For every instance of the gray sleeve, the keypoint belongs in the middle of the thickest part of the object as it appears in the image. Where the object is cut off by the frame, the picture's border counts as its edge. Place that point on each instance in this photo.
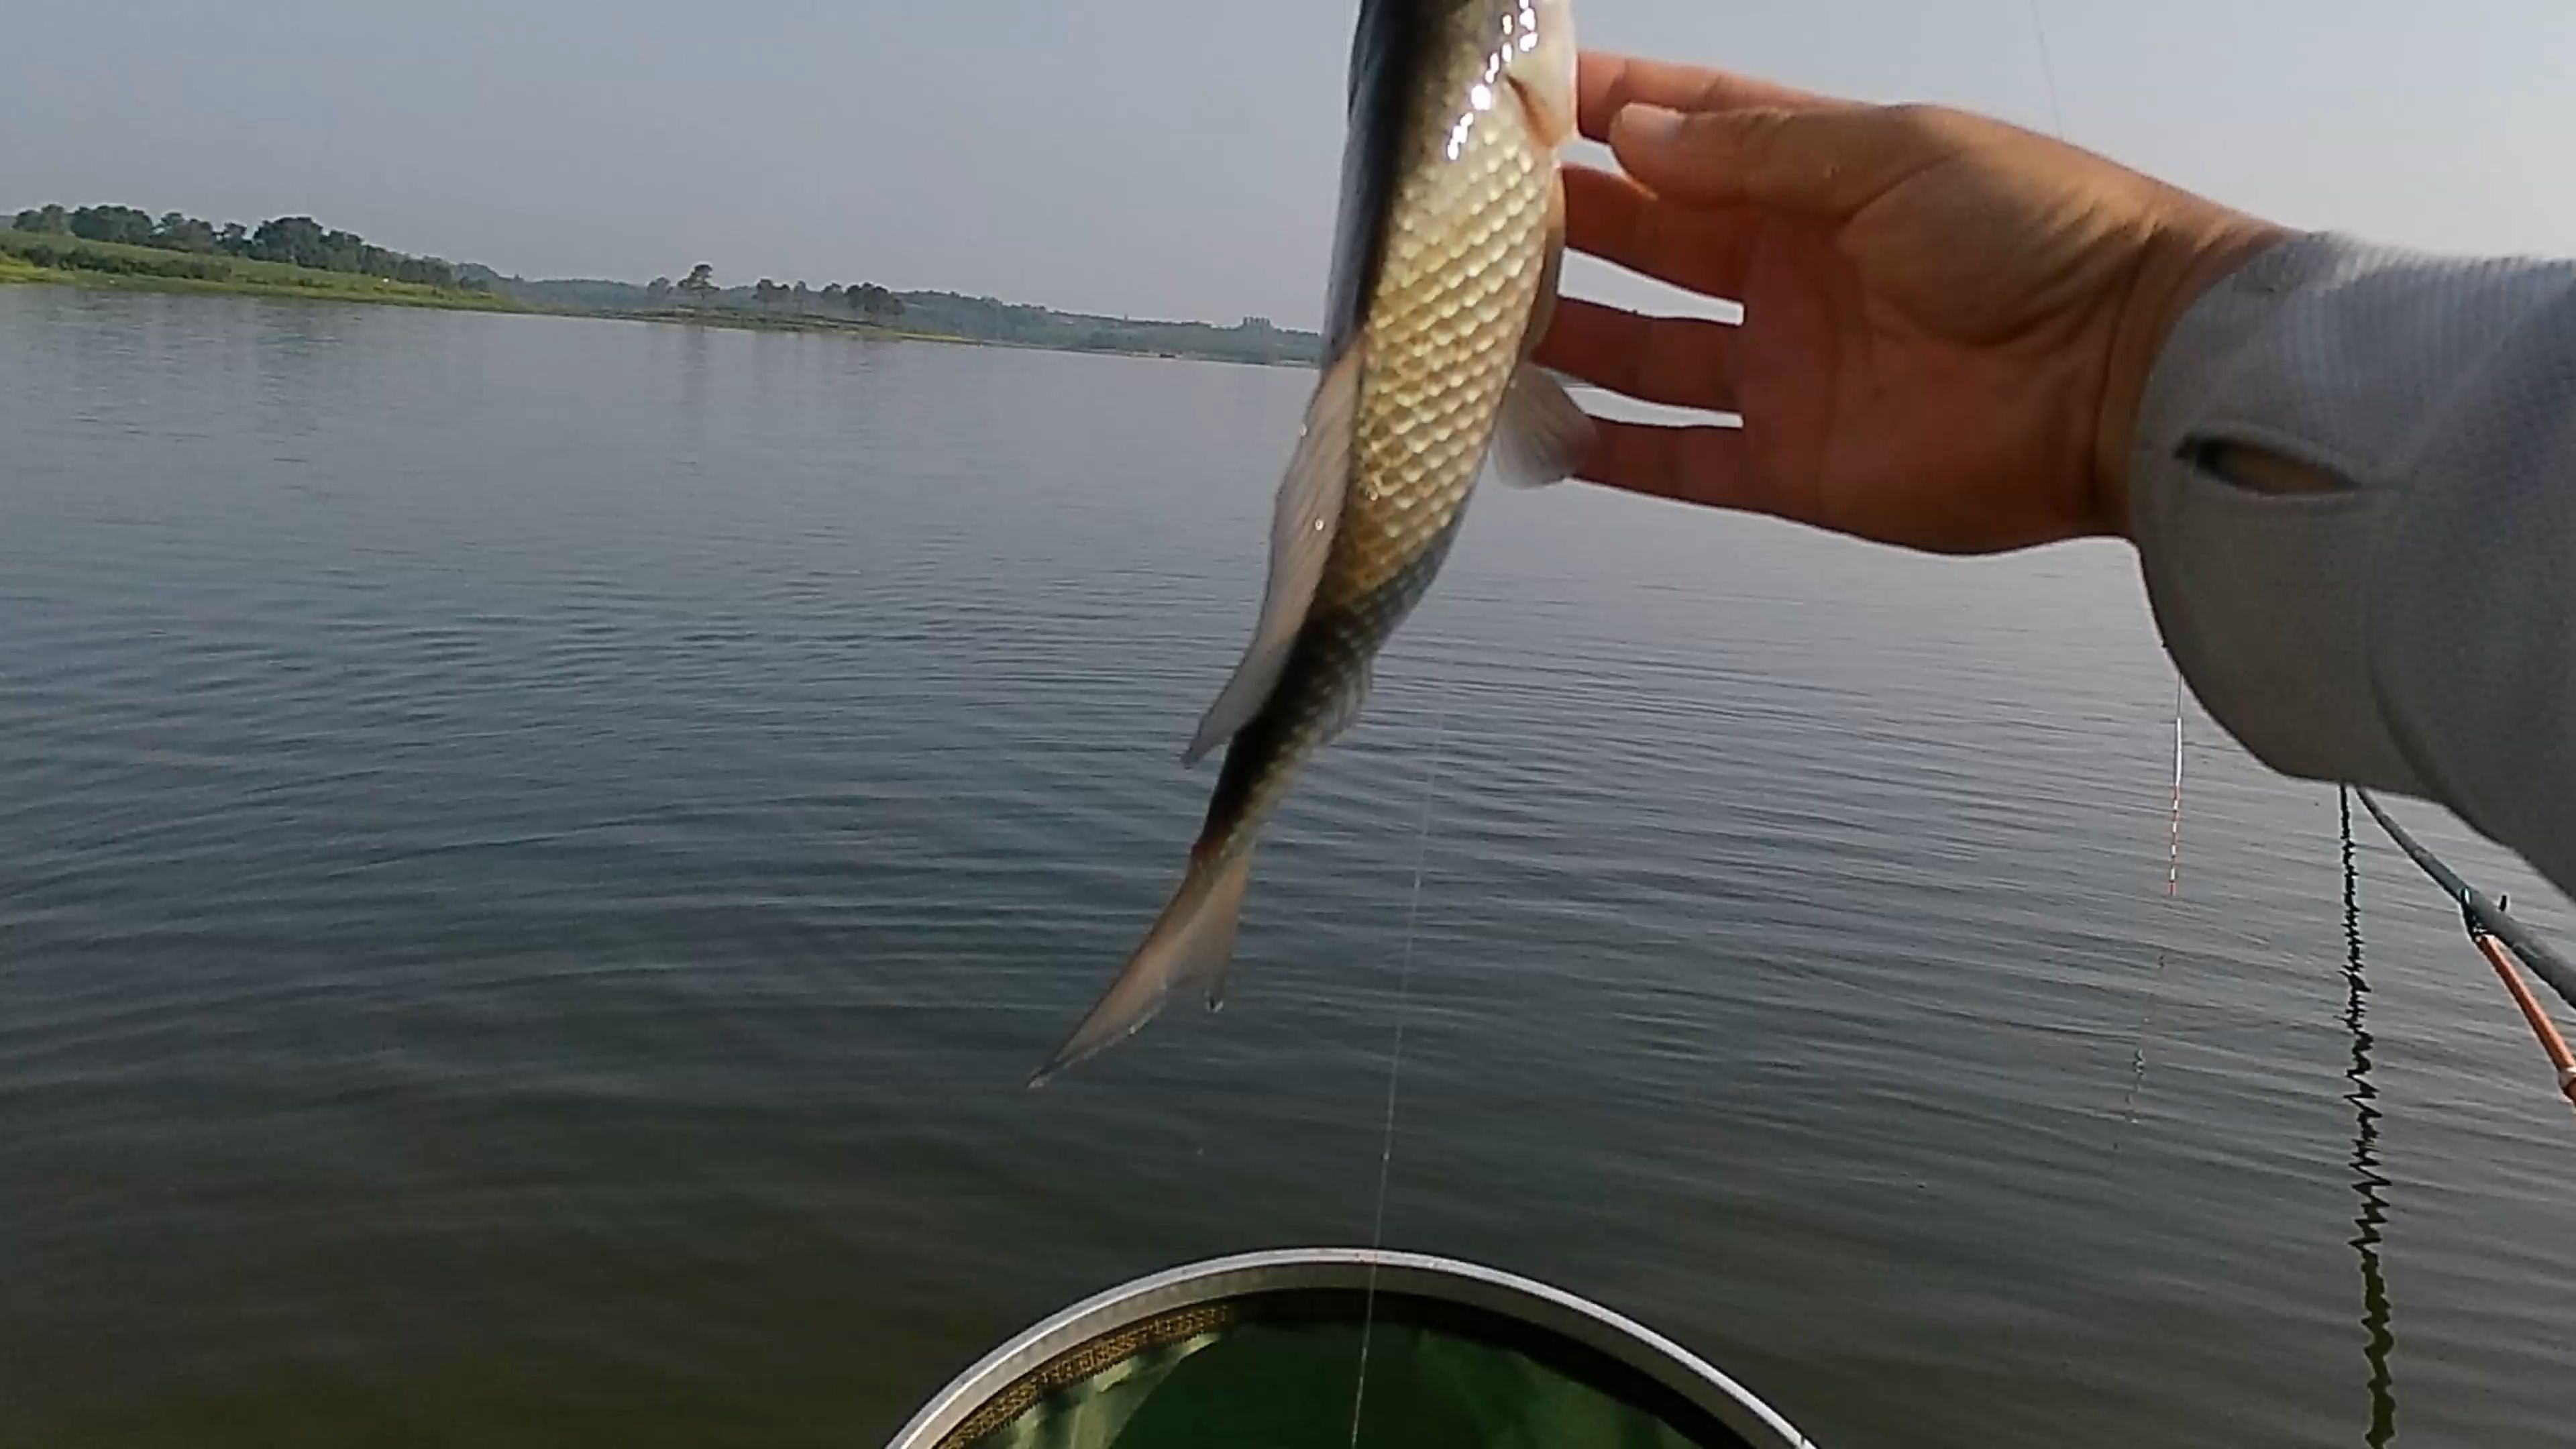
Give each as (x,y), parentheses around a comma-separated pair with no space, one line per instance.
(2415,631)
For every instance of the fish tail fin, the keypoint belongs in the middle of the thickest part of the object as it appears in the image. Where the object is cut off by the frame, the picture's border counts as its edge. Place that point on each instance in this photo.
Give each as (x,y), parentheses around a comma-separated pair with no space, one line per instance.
(1192,941)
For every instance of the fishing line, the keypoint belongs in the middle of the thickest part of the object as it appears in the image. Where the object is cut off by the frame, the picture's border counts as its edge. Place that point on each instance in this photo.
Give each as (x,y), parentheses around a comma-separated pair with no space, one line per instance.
(2156,982)
(1395,1061)
(2048,68)
(2138,1056)
(2173,858)
(2173,887)
(2173,834)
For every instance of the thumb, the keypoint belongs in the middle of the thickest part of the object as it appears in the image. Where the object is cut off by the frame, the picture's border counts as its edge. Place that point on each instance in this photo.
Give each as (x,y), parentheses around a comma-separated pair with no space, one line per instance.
(1816,161)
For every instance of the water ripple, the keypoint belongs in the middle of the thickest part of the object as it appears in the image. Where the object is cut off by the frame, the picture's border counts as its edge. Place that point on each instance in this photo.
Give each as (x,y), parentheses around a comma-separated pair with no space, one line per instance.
(535,856)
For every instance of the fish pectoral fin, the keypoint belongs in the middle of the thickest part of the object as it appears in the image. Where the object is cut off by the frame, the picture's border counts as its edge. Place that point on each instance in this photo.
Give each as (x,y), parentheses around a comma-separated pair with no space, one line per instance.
(1542,435)
(1543,74)
(1193,940)
(1303,523)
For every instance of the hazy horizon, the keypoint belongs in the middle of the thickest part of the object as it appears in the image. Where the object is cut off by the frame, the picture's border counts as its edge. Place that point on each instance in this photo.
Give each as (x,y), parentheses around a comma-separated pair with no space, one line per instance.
(1156,157)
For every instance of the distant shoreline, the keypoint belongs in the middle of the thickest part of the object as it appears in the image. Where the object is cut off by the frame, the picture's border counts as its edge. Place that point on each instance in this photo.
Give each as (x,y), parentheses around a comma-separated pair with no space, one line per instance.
(44,258)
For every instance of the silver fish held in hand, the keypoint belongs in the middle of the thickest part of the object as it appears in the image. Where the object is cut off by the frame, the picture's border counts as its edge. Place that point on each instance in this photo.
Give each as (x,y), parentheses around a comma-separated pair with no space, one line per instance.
(1445,263)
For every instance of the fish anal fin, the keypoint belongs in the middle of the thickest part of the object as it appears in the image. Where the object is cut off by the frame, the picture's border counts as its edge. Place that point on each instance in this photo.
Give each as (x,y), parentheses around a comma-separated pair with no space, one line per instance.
(1303,524)
(1542,436)
(1192,941)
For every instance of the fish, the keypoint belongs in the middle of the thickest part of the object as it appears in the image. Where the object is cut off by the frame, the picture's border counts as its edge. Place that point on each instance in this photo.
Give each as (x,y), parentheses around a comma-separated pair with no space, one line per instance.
(1447,249)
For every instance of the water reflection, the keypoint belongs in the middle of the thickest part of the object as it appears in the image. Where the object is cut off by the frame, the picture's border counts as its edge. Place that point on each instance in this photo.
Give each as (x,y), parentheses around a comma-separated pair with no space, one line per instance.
(2368,1182)
(692,411)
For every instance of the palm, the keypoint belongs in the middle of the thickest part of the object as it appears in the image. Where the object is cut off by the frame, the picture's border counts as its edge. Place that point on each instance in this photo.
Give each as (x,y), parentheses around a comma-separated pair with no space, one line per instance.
(1938,311)
(1889,393)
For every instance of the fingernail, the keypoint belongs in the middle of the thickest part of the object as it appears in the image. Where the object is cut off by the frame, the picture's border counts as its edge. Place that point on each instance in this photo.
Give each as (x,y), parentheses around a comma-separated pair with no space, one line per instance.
(1653,125)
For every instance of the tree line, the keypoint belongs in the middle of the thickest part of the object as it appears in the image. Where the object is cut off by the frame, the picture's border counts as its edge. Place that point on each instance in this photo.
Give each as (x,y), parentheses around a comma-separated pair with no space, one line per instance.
(297,240)
(185,246)
(863,299)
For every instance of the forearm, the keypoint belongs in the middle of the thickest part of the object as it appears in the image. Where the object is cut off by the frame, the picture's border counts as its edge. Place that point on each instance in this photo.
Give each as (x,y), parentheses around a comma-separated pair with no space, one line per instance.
(2414,626)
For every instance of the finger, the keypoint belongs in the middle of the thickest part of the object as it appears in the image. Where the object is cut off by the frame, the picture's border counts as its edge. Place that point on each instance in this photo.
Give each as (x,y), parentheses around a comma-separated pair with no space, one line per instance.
(1813,162)
(1705,249)
(1702,465)
(1604,83)
(1681,362)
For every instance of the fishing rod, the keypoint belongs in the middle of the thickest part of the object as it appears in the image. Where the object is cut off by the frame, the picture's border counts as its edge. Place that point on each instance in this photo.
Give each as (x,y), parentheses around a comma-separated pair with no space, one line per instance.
(2492,931)
(2541,1026)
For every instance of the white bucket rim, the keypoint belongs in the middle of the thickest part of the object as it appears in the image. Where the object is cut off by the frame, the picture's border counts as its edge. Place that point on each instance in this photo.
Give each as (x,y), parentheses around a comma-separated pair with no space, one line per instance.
(1451,1280)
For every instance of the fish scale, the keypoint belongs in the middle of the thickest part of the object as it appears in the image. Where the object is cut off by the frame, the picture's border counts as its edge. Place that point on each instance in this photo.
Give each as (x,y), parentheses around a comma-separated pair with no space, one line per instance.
(1443,334)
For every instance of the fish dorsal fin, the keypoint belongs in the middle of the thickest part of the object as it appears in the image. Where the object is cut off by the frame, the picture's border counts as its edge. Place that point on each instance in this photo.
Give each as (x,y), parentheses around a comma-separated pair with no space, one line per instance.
(1541,436)
(1302,527)
(1387,50)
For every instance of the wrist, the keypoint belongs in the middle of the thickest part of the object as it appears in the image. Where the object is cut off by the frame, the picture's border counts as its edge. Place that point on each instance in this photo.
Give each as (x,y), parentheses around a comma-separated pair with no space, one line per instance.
(2183,256)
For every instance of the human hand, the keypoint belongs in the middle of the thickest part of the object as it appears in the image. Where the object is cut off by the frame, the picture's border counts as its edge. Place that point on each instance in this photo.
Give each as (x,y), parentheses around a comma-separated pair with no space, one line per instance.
(1948,321)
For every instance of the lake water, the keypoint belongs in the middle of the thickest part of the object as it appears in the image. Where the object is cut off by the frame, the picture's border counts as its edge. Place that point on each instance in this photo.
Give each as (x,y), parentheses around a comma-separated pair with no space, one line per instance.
(536,856)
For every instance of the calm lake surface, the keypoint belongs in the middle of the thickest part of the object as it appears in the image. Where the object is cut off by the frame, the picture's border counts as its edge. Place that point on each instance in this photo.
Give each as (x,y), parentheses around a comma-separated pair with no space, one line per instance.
(536,855)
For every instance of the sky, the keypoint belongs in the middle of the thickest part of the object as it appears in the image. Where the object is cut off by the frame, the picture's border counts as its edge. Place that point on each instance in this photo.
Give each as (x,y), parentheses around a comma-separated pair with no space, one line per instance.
(1169,158)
